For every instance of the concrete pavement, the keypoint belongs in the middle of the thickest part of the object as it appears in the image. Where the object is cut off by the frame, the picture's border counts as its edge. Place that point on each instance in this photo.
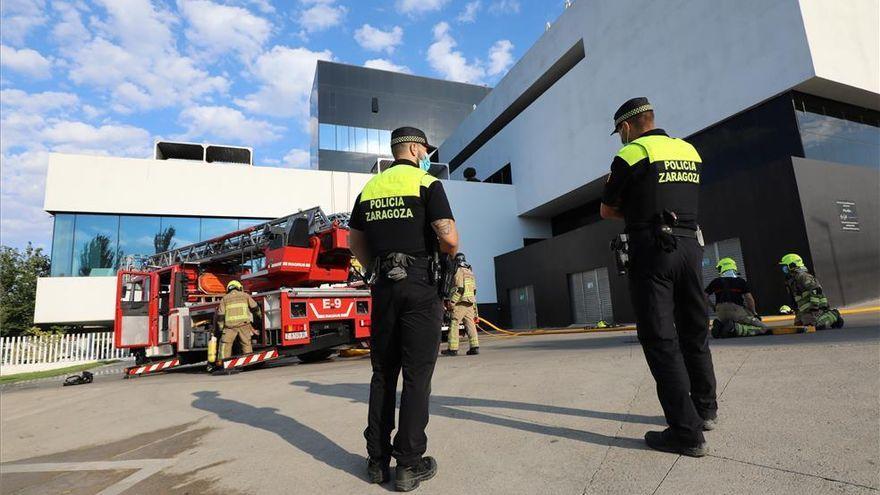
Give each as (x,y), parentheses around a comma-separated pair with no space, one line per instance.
(548,414)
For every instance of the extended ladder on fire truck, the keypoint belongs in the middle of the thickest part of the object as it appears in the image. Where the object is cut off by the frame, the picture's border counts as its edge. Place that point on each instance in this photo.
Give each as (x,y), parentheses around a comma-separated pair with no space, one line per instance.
(165,310)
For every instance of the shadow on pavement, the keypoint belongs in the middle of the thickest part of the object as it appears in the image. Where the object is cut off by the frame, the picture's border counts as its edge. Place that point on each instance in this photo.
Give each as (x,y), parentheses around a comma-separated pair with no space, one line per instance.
(290,430)
(446,406)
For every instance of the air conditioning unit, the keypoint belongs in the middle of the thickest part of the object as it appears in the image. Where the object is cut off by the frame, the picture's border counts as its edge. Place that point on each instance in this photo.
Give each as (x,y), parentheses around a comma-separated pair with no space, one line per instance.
(206,153)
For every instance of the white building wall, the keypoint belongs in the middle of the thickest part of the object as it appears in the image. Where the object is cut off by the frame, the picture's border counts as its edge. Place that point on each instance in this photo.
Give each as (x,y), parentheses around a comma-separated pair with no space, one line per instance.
(485,213)
(75,300)
(699,63)
(100,184)
(844,39)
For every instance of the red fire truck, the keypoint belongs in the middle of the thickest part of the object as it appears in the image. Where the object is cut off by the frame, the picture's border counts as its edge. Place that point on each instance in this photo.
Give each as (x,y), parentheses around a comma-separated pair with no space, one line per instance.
(296,267)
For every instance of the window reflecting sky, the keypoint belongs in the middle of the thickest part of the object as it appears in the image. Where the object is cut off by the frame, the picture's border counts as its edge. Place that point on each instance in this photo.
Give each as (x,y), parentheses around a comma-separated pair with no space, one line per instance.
(82,242)
(358,139)
(837,132)
(62,244)
(95,241)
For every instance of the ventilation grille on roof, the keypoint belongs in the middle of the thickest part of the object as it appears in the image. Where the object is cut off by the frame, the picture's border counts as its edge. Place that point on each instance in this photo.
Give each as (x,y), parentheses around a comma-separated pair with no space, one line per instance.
(208,153)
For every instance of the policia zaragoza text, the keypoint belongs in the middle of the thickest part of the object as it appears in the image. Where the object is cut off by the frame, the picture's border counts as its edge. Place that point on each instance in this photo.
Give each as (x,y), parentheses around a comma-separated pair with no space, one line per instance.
(679,171)
(387,208)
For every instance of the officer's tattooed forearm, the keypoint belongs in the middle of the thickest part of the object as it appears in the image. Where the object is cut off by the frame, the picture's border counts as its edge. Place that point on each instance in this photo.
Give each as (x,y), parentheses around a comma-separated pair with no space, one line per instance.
(442,227)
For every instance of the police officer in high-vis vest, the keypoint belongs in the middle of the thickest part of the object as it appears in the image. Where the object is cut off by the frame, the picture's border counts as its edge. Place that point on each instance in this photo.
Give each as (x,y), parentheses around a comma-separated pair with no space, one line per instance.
(463,308)
(398,222)
(234,317)
(654,187)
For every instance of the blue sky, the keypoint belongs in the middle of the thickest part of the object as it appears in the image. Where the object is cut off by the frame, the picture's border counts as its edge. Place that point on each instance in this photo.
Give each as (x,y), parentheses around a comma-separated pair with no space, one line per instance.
(111,76)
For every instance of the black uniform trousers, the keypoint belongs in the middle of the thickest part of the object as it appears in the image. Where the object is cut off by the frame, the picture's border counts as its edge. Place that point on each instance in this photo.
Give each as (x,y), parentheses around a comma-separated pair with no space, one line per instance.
(667,294)
(405,334)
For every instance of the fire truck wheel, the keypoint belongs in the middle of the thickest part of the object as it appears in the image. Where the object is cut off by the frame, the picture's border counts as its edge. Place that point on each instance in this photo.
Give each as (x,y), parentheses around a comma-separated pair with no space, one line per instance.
(315,356)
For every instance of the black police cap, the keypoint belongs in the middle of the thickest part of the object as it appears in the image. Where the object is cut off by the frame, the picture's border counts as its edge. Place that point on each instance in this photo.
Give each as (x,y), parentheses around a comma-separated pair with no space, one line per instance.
(410,135)
(631,108)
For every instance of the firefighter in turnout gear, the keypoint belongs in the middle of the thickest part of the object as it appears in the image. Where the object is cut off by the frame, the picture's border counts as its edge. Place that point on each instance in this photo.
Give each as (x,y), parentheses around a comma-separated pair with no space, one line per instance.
(234,318)
(811,305)
(734,305)
(400,222)
(654,187)
(463,306)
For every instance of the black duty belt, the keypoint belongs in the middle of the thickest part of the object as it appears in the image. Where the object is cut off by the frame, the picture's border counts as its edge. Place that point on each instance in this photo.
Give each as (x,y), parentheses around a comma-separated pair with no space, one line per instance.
(396,266)
(650,227)
(684,232)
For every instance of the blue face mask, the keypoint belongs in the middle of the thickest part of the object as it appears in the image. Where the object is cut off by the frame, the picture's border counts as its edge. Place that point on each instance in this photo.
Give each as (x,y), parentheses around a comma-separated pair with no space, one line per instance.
(729,273)
(425,163)
(785,269)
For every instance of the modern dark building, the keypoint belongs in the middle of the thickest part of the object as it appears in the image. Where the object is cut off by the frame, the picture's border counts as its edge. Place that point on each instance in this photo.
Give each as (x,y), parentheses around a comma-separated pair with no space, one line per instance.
(797,173)
(354,109)
(780,98)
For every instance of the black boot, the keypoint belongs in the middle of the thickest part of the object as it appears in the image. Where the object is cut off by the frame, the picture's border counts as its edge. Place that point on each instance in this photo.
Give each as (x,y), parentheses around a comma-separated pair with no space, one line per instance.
(449,352)
(710,424)
(378,471)
(473,351)
(667,441)
(839,322)
(408,478)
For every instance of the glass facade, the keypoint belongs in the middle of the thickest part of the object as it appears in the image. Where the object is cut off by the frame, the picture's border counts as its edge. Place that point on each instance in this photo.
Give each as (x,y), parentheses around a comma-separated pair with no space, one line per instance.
(836,132)
(357,139)
(89,245)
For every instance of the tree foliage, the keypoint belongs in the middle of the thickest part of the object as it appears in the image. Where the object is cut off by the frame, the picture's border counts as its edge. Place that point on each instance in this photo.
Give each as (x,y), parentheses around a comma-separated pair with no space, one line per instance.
(19,271)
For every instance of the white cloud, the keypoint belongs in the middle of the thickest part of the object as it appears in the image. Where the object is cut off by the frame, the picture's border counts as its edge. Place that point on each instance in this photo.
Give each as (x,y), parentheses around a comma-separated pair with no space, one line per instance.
(69,30)
(37,103)
(22,218)
(218,29)
(286,76)
(500,7)
(140,28)
(78,137)
(296,158)
(454,66)
(450,63)
(320,15)
(500,57)
(19,17)
(385,64)
(375,39)
(133,58)
(417,7)
(469,14)
(228,125)
(264,6)
(25,61)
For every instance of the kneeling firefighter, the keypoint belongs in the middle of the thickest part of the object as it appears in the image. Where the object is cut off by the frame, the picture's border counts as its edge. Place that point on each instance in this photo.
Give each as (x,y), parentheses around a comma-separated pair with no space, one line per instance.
(811,305)
(734,304)
(234,318)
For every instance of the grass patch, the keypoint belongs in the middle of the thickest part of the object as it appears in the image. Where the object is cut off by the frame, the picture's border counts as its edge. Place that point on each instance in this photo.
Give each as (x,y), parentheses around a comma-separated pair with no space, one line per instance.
(33,375)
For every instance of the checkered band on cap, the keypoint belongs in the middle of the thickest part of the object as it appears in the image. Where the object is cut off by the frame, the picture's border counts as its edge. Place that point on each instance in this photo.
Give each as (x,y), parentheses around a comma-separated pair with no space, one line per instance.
(635,111)
(409,139)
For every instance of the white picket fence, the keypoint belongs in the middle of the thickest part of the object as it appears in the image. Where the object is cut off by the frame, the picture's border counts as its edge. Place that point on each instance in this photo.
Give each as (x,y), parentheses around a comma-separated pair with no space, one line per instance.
(47,349)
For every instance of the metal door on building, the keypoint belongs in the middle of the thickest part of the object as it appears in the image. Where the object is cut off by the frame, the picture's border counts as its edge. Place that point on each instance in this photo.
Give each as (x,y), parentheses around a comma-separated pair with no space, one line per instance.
(590,293)
(714,251)
(522,307)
